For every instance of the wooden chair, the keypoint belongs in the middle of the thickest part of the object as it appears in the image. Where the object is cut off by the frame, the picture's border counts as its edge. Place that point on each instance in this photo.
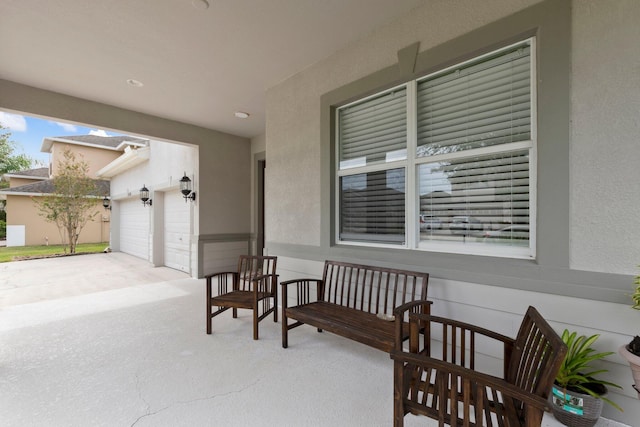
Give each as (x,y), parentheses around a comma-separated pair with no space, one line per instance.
(253,286)
(450,389)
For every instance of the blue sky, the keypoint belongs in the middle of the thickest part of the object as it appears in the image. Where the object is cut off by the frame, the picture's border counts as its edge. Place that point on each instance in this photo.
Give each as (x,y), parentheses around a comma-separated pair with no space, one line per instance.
(28,132)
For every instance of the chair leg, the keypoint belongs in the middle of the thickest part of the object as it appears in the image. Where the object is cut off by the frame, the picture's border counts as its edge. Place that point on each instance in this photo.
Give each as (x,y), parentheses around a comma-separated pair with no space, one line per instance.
(208,317)
(275,306)
(235,313)
(255,323)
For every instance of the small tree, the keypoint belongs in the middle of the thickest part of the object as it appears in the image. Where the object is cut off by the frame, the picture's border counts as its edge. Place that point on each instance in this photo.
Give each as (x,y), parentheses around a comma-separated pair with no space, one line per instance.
(73,203)
(10,162)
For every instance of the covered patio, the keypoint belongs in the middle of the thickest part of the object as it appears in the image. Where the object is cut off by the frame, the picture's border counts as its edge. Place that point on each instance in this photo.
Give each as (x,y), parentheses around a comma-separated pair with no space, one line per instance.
(133,351)
(271,184)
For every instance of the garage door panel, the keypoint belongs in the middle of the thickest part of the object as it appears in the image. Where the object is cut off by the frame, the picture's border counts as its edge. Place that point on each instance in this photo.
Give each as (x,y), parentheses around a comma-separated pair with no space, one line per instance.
(134,228)
(177,230)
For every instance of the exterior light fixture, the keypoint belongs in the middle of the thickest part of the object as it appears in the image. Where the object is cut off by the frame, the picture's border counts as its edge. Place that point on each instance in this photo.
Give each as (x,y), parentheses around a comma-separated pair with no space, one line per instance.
(144,196)
(185,188)
(106,203)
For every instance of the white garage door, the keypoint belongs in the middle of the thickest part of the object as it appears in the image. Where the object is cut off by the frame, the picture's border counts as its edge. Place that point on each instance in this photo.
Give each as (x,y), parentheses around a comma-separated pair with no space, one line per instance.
(177,231)
(134,228)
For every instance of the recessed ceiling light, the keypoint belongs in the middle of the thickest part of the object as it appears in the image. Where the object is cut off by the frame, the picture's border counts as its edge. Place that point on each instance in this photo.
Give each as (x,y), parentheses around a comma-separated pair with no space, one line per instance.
(241,115)
(134,83)
(200,4)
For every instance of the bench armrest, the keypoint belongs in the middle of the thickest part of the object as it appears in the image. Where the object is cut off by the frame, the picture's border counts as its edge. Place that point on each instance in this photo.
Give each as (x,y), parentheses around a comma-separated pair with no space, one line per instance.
(401,317)
(481,390)
(415,306)
(303,288)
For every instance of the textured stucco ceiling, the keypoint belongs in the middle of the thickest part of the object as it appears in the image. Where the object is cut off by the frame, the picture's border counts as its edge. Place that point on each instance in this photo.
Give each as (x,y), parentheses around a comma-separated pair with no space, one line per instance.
(197,66)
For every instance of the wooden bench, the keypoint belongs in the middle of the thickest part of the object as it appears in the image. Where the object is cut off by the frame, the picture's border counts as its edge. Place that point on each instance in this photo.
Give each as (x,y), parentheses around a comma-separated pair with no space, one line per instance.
(450,389)
(356,302)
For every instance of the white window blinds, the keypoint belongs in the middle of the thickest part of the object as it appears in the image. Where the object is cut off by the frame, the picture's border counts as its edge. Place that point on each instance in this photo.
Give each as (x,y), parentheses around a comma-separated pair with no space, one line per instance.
(374,131)
(477,105)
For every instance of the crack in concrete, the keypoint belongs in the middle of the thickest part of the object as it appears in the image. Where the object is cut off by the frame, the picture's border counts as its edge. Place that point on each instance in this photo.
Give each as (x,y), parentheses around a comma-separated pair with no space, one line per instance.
(187,402)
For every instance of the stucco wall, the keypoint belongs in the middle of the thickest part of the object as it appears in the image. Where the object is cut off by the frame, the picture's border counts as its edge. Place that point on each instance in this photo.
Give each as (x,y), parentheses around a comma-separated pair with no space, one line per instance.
(21,210)
(166,165)
(605,154)
(95,158)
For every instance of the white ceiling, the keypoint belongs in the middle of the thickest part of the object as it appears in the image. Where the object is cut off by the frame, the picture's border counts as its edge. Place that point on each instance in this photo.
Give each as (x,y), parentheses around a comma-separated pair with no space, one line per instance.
(197,66)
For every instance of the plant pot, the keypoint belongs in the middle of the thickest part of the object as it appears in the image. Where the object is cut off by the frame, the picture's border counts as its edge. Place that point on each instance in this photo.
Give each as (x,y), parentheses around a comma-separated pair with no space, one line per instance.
(634,362)
(575,409)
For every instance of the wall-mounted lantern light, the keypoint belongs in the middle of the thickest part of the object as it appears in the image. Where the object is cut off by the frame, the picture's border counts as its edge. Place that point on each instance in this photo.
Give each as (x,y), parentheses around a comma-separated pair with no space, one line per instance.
(144,196)
(185,188)
(106,203)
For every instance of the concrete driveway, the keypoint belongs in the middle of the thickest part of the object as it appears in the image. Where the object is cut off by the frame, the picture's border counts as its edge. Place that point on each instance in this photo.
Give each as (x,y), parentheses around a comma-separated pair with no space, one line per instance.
(23,282)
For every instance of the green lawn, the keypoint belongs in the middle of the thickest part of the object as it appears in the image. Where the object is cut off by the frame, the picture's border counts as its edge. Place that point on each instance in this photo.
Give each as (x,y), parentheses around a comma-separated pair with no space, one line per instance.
(8,254)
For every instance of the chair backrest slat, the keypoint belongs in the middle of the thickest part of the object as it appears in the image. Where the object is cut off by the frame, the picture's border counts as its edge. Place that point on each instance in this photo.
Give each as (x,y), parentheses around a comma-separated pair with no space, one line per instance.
(537,350)
(252,266)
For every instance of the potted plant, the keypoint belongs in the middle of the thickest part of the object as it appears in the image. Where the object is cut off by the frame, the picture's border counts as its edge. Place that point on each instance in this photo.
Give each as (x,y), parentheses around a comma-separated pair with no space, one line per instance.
(577,396)
(631,351)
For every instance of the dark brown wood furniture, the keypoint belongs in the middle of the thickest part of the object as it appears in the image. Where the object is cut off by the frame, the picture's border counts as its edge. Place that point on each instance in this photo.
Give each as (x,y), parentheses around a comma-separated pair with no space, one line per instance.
(253,287)
(451,390)
(356,302)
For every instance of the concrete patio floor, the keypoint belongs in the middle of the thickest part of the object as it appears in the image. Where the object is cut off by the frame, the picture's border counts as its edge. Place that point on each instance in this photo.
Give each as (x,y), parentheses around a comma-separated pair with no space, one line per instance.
(108,340)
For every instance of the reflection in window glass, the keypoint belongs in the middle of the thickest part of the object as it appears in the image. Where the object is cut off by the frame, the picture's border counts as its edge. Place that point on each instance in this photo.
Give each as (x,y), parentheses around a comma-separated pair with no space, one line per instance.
(372,206)
(476,200)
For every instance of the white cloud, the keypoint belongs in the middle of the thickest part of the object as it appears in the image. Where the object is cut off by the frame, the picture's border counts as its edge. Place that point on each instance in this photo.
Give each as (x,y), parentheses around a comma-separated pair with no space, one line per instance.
(13,122)
(67,126)
(97,132)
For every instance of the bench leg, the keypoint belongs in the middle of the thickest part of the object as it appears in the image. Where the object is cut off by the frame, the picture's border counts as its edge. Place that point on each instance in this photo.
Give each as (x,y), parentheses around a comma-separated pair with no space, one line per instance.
(319,330)
(235,313)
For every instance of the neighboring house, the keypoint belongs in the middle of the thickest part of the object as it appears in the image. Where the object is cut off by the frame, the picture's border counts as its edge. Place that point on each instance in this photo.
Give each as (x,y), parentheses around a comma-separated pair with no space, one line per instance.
(25,226)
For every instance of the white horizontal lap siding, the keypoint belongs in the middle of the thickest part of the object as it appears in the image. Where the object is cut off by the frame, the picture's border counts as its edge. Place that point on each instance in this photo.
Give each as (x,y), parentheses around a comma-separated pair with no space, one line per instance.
(177,229)
(134,228)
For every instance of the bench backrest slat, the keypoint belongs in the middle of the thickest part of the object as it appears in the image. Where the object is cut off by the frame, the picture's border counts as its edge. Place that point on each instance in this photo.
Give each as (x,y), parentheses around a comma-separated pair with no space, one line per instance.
(371,289)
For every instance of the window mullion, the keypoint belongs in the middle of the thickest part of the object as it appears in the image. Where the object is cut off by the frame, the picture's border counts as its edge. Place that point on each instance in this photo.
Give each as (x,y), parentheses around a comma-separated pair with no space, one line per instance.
(412,194)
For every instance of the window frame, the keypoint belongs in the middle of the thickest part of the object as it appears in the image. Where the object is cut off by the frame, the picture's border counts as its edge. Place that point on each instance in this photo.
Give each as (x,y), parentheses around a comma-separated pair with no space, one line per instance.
(412,162)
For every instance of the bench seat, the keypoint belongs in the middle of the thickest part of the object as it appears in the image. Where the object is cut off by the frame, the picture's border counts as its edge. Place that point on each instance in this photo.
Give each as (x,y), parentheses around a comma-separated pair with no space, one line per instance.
(357,325)
(348,298)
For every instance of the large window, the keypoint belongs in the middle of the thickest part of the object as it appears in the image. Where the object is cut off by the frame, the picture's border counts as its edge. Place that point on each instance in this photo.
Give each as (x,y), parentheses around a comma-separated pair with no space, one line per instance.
(444,163)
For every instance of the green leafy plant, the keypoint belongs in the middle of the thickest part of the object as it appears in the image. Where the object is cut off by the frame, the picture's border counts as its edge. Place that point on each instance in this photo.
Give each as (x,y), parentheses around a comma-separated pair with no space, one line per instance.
(576,373)
(634,345)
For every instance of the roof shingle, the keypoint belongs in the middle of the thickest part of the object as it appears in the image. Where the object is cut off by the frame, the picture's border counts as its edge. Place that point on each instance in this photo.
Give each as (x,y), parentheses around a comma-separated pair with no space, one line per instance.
(47,187)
